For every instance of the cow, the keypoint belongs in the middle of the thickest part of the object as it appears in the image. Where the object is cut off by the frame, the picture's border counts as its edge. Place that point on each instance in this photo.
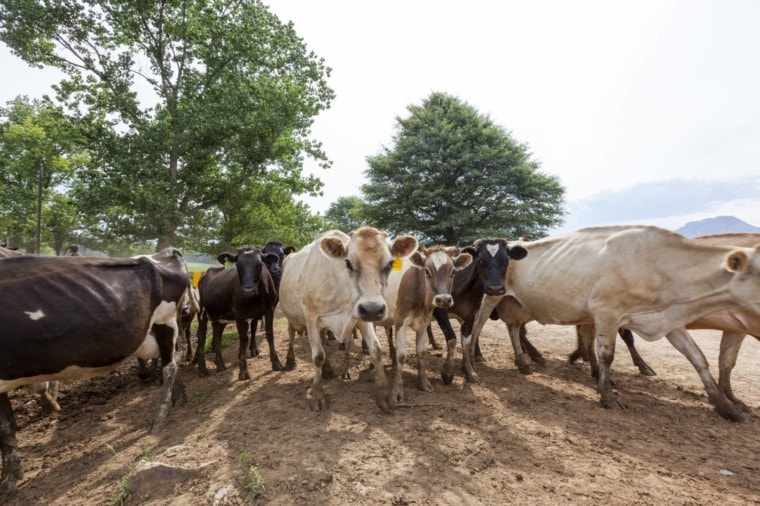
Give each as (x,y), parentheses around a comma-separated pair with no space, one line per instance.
(736,324)
(484,275)
(650,280)
(338,282)
(423,288)
(241,295)
(275,269)
(79,317)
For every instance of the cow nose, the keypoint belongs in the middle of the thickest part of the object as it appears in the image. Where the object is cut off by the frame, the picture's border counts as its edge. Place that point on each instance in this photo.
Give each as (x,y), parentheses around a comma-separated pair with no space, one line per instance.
(249,292)
(371,311)
(495,289)
(443,301)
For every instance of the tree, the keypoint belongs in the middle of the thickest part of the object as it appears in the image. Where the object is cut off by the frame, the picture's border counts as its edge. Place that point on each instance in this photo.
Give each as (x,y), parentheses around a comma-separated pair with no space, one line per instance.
(453,176)
(182,103)
(346,214)
(38,155)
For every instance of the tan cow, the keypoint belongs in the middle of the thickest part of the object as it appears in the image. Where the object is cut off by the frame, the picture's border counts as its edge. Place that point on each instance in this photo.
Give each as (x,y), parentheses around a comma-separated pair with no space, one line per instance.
(338,282)
(421,290)
(647,279)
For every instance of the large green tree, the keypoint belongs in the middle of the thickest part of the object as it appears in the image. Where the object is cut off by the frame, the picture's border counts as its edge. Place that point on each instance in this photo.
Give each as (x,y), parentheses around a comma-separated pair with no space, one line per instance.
(183,102)
(453,176)
(346,214)
(38,154)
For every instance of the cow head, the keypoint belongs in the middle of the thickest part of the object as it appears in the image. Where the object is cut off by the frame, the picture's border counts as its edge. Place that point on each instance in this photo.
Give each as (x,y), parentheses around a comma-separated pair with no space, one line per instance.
(249,263)
(440,264)
(492,258)
(275,264)
(369,260)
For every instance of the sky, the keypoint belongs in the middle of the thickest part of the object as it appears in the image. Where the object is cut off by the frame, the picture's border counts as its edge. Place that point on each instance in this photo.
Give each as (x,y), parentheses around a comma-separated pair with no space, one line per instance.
(648,112)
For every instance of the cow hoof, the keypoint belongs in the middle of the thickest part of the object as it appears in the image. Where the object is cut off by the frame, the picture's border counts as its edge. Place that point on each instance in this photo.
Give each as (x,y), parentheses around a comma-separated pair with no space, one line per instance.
(538,359)
(346,376)
(612,402)
(221,368)
(425,386)
(479,358)
(382,400)
(203,373)
(730,412)
(647,371)
(447,378)
(290,365)
(524,368)
(436,346)
(244,376)
(471,377)
(318,403)
(277,366)
(327,371)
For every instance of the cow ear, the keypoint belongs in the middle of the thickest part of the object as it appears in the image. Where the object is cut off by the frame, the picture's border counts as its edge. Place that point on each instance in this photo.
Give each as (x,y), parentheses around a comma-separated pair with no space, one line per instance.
(289,249)
(418,259)
(472,251)
(737,261)
(403,246)
(226,257)
(452,251)
(333,248)
(462,260)
(517,252)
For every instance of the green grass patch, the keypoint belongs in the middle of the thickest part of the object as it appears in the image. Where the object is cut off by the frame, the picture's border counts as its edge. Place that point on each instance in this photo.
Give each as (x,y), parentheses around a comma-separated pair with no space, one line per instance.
(253,483)
(198,267)
(228,338)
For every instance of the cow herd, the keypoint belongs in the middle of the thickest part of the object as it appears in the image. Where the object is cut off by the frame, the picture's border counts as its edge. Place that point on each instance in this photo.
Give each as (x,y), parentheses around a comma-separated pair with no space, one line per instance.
(76,317)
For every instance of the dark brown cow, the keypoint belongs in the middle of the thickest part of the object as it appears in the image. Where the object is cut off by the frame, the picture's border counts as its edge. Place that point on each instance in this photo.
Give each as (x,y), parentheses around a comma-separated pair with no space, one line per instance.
(241,295)
(78,317)
(423,288)
(485,275)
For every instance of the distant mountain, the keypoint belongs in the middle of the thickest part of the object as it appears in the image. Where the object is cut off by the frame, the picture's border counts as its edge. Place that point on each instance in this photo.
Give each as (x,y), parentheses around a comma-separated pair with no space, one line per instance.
(718,225)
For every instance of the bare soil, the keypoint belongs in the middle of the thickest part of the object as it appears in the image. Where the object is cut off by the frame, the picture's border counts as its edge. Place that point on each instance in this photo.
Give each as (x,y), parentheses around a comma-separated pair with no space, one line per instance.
(537,439)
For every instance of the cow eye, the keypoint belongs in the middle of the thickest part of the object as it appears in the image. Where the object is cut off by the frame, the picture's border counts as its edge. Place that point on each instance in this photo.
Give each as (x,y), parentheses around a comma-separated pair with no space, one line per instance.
(428,273)
(388,267)
(349,265)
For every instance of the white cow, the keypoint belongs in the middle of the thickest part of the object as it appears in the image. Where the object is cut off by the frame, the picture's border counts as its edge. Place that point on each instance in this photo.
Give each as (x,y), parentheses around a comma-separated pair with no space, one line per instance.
(650,280)
(338,282)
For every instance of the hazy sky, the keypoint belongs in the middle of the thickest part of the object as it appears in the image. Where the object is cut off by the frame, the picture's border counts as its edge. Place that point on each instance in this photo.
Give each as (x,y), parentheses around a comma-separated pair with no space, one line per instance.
(648,112)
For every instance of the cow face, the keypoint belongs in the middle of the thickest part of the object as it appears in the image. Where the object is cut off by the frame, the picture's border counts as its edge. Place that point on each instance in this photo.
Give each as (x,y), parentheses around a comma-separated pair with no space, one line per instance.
(440,264)
(744,263)
(492,260)
(249,263)
(369,260)
(273,254)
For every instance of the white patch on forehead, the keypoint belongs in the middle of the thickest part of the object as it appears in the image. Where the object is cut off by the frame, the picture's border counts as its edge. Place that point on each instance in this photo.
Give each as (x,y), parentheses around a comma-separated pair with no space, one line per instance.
(36,315)
(439,259)
(248,252)
(492,249)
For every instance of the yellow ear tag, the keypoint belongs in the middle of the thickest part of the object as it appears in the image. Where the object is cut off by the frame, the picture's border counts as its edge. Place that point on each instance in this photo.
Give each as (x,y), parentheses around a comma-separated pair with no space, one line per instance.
(397,263)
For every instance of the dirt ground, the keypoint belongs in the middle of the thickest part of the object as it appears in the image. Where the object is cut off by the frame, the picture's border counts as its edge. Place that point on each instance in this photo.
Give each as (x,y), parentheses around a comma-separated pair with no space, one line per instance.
(538,439)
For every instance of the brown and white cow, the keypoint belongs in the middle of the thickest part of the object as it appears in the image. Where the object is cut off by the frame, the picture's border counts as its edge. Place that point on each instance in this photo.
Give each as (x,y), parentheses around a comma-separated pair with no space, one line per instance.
(242,295)
(650,280)
(423,288)
(338,282)
(78,317)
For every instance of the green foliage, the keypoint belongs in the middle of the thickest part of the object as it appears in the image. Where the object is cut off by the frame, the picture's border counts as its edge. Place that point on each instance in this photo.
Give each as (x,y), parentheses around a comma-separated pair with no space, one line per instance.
(186,106)
(38,151)
(253,482)
(228,338)
(122,494)
(453,176)
(346,214)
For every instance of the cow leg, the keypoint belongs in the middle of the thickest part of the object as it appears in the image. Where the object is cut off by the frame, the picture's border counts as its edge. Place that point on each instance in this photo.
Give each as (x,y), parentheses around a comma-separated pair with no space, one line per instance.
(318,402)
(242,328)
(528,347)
(216,343)
(431,339)
(683,342)
(189,350)
(290,360)
(347,337)
(447,370)
(47,393)
(605,349)
(730,344)
(200,357)
(269,333)
(254,347)
(328,372)
(585,350)
(644,369)
(470,341)
(12,470)
(422,382)
(520,358)
(397,390)
(391,346)
(172,390)
(381,392)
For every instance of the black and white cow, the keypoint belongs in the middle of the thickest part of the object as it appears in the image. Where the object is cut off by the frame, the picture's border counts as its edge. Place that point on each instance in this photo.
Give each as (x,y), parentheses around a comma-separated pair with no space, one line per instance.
(78,317)
(242,295)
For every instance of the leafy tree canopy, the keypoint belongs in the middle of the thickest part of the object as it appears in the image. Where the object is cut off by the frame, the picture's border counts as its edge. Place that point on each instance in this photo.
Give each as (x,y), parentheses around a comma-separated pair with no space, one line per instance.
(453,176)
(346,214)
(181,102)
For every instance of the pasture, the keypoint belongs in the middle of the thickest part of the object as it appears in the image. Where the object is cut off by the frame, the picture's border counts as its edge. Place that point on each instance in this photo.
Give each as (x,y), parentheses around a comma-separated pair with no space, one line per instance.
(539,439)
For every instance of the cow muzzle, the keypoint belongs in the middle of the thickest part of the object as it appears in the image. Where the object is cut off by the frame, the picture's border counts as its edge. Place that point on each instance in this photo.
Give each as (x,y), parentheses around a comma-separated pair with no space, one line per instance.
(443,301)
(371,311)
(249,292)
(495,289)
